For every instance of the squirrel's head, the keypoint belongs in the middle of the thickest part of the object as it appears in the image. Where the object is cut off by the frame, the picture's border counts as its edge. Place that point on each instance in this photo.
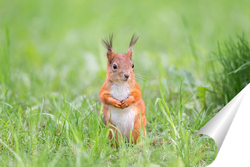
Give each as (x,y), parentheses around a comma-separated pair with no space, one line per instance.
(120,66)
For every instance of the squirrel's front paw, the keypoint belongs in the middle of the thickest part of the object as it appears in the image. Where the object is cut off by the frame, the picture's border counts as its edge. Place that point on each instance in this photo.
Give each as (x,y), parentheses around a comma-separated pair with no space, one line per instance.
(118,104)
(126,103)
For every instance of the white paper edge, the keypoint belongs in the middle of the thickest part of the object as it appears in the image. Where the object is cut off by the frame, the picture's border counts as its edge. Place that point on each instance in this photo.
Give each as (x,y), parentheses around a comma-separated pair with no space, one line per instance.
(217,128)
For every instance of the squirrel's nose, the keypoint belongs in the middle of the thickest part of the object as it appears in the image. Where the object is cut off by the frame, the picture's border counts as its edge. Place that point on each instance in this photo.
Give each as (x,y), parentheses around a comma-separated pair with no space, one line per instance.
(126,75)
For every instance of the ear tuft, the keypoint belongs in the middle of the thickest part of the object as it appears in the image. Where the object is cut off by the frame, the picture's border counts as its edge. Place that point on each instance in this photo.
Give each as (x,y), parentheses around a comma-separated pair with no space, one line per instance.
(108,43)
(133,40)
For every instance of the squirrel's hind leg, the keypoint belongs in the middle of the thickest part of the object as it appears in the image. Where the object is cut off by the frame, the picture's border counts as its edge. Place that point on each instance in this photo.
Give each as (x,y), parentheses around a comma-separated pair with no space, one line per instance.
(137,129)
(140,117)
(114,134)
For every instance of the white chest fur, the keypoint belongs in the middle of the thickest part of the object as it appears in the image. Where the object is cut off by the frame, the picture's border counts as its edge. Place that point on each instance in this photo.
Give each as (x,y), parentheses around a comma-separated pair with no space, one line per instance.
(120,91)
(123,118)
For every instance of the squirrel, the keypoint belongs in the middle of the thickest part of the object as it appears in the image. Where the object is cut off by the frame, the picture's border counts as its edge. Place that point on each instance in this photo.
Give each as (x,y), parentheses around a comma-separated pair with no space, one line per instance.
(123,107)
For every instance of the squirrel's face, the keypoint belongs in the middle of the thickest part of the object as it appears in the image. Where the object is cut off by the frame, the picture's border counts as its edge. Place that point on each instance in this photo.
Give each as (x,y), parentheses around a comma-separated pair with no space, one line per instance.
(120,68)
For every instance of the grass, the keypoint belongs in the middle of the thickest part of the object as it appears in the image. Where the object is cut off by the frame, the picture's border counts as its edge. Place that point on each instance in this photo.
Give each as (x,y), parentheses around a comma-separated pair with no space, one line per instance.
(233,69)
(52,66)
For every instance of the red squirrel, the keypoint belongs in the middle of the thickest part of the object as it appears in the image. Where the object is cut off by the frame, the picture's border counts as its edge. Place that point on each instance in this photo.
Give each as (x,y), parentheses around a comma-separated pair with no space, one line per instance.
(123,106)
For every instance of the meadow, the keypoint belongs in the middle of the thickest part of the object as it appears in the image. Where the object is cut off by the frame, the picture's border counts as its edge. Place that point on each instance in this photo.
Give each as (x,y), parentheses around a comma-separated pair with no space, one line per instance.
(52,66)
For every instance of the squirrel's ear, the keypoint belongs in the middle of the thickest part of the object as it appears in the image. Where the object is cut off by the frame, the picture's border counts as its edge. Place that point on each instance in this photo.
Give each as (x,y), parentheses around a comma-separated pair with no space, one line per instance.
(132,42)
(108,44)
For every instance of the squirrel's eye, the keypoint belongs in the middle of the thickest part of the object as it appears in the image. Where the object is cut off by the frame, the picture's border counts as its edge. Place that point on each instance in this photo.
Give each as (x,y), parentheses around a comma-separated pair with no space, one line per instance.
(114,66)
(133,66)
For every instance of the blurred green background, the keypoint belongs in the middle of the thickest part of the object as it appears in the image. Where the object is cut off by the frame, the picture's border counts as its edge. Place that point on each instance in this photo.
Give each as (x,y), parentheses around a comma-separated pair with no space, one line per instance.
(52,66)
(58,43)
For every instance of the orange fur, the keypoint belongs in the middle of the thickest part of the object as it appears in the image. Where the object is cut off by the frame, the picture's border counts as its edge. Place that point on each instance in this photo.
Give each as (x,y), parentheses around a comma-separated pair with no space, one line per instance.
(121,95)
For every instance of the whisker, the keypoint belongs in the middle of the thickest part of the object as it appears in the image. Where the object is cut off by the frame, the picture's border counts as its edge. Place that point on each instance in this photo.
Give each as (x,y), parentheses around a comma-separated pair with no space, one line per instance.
(138,69)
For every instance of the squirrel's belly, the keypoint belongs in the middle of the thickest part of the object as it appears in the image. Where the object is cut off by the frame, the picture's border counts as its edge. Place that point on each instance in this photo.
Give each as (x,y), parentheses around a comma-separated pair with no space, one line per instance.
(123,118)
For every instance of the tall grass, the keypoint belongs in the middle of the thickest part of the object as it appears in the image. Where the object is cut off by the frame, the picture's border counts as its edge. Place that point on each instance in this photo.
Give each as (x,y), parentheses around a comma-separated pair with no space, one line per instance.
(231,69)
(67,131)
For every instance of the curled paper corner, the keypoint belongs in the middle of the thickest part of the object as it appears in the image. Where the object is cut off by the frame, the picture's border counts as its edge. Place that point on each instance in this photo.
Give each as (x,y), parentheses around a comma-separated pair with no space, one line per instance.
(230,130)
